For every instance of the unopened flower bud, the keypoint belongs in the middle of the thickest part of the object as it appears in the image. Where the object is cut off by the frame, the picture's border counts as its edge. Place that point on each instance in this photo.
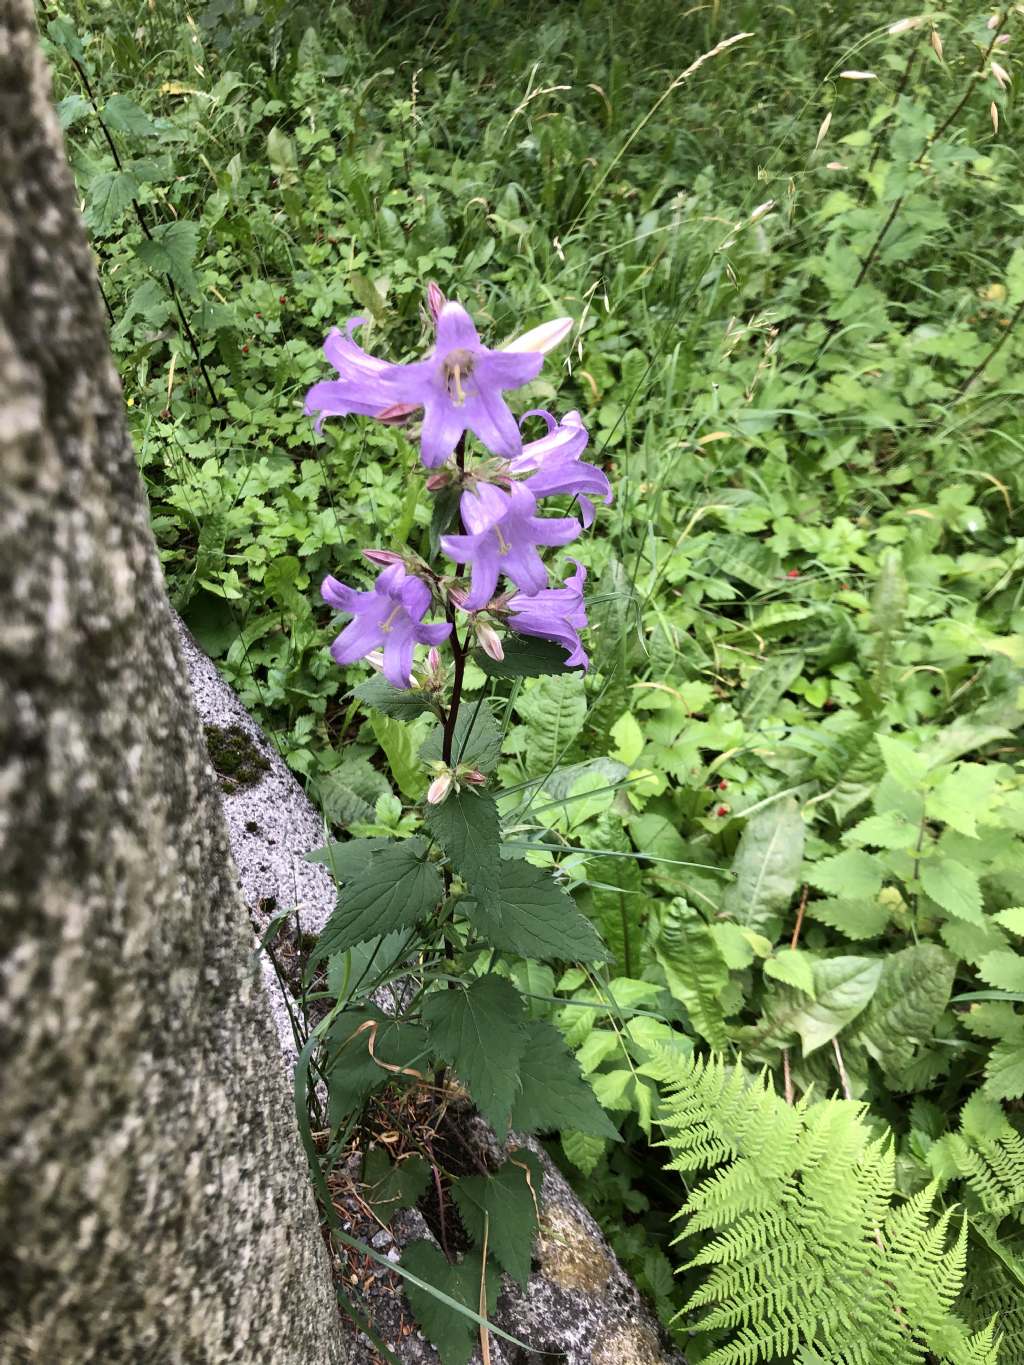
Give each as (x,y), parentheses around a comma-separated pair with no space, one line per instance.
(474,777)
(543,338)
(397,413)
(434,659)
(436,482)
(435,300)
(382,557)
(1001,75)
(375,659)
(439,788)
(488,640)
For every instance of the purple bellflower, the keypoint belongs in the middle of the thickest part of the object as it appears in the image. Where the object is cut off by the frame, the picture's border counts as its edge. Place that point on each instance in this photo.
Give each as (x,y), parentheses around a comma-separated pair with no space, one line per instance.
(554,614)
(391,614)
(459,384)
(503,534)
(554,466)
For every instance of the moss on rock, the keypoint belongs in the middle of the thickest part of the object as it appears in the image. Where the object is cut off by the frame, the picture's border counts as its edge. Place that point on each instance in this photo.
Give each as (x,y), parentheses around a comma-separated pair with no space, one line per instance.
(236,759)
(569,1255)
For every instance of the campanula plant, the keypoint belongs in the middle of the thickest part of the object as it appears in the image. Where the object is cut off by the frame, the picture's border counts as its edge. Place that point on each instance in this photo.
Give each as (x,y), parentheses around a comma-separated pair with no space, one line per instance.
(450,911)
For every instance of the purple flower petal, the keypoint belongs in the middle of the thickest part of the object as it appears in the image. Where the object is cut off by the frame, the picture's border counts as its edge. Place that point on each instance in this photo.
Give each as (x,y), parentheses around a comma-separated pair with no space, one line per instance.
(554,614)
(455,330)
(391,615)
(442,427)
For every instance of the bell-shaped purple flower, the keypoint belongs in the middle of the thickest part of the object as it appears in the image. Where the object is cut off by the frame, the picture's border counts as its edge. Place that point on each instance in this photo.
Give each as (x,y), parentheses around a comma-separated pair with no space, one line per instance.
(554,466)
(504,532)
(554,614)
(459,385)
(390,615)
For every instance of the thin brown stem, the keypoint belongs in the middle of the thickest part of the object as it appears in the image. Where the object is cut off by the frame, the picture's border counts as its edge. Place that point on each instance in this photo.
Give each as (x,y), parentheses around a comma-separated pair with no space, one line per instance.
(840,1067)
(787,1076)
(980,369)
(799,918)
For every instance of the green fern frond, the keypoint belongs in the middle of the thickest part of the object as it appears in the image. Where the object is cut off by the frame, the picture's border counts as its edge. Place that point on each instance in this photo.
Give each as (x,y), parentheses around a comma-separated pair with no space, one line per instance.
(803,1251)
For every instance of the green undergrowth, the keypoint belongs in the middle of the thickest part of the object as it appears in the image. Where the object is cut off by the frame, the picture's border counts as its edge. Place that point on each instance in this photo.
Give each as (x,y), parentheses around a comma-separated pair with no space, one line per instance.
(788,794)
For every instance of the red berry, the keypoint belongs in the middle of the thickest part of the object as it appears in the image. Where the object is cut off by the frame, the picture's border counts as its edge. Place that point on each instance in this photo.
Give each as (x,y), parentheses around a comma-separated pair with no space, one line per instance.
(722,810)
(722,785)
(283,298)
(793,573)
(245,350)
(259,315)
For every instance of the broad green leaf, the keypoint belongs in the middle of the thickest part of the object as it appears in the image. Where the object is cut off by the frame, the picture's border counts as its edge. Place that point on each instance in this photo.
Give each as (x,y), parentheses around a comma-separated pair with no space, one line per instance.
(505,1204)
(584,1151)
(619,915)
(553,710)
(171,251)
(525,657)
(481,1032)
(401,703)
(466,826)
(1004,1071)
(963,796)
(954,887)
(1004,970)
(396,888)
(767,868)
(361,1045)
(346,858)
(1015,278)
(554,1095)
(850,875)
(532,916)
(393,1185)
(902,762)
(349,792)
(843,989)
(891,830)
(476,739)
(456,1337)
(793,968)
(855,919)
(766,686)
(365,292)
(71,109)
(109,196)
(281,156)
(912,995)
(401,741)
(123,115)
(1012,919)
(694,969)
(629,739)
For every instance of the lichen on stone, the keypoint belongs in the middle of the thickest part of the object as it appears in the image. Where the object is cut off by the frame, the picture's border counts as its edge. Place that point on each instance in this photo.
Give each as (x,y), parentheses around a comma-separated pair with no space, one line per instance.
(236,759)
(569,1255)
(633,1344)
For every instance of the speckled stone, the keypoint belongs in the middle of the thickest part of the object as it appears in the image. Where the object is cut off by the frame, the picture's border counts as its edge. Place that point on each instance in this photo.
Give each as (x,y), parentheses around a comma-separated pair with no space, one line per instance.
(153,1195)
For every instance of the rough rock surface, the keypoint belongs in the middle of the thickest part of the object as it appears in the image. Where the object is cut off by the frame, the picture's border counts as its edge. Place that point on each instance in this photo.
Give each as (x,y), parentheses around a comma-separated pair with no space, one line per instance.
(580,1307)
(153,1195)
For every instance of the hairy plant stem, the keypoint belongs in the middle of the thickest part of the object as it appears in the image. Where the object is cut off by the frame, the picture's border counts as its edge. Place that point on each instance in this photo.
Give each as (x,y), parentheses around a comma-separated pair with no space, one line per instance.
(459,648)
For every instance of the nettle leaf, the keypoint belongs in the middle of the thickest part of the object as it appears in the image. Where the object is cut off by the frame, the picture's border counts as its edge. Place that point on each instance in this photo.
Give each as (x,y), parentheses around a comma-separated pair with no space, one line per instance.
(361,1045)
(1012,919)
(553,710)
(454,1335)
(1004,1070)
(401,703)
(346,858)
(504,1203)
(481,1032)
(477,739)
(525,657)
(171,250)
(856,919)
(767,868)
(911,997)
(953,887)
(1003,969)
(584,1151)
(393,1185)
(108,197)
(467,827)
(554,1094)
(532,916)
(695,970)
(396,888)
(902,762)
(852,874)
(125,116)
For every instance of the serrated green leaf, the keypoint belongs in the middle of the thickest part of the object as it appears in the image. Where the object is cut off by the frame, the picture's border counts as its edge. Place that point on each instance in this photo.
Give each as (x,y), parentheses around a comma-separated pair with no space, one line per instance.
(618,914)
(694,969)
(354,1071)
(401,703)
(526,657)
(911,997)
(504,1203)
(766,686)
(583,1150)
(108,198)
(481,1032)
(347,793)
(902,762)
(123,115)
(554,1095)
(345,858)
(850,875)
(963,796)
(766,867)
(883,831)
(793,968)
(954,887)
(1012,919)
(532,916)
(467,827)
(396,888)
(1003,969)
(629,739)
(476,739)
(401,741)
(170,250)
(1004,1071)
(856,919)
(553,710)
(454,1336)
